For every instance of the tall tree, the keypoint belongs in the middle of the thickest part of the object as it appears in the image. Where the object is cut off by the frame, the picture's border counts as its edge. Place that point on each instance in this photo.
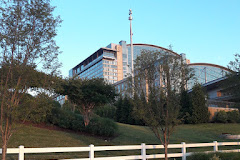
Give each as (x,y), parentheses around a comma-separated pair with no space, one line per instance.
(199,111)
(27,31)
(158,81)
(87,94)
(186,106)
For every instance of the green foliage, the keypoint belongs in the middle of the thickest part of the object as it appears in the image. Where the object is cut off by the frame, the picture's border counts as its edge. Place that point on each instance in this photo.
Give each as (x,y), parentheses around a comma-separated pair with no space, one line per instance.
(221,117)
(42,110)
(215,157)
(233,116)
(84,91)
(199,112)
(102,126)
(159,78)
(231,86)
(68,106)
(36,109)
(125,112)
(69,120)
(27,33)
(87,94)
(186,107)
(107,111)
(227,117)
(118,104)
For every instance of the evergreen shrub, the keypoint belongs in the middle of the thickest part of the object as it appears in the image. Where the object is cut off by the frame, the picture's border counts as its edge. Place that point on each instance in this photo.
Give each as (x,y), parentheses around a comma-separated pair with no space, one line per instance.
(107,111)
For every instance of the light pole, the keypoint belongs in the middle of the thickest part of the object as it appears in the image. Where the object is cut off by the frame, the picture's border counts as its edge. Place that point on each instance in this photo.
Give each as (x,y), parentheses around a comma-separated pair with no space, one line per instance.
(131,34)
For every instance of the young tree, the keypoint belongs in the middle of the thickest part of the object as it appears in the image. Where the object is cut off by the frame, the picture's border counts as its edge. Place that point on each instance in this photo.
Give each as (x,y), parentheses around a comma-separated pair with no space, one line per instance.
(158,81)
(27,31)
(87,94)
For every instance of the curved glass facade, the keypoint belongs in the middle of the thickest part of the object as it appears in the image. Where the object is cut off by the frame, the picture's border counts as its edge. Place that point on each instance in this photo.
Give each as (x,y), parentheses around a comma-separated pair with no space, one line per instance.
(137,49)
(205,73)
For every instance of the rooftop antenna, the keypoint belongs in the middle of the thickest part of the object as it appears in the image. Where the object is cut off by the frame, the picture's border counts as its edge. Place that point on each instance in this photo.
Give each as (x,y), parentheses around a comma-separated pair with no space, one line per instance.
(131,34)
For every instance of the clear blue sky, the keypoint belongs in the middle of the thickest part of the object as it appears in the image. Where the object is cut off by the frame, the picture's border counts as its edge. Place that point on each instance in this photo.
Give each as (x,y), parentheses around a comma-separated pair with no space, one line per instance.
(206,30)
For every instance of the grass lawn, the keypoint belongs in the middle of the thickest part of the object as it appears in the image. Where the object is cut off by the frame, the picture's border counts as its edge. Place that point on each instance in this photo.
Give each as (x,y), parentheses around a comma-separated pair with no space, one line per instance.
(30,136)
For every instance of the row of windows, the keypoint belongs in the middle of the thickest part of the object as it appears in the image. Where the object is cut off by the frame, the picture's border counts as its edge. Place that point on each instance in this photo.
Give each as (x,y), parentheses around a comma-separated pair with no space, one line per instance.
(110,66)
(110,77)
(124,63)
(109,69)
(111,81)
(110,62)
(122,87)
(82,67)
(94,71)
(110,73)
(96,75)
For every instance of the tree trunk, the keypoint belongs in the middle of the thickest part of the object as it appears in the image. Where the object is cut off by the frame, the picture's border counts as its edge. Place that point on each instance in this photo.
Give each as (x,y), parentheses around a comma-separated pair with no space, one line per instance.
(86,120)
(165,146)
(166,151)
(4,150)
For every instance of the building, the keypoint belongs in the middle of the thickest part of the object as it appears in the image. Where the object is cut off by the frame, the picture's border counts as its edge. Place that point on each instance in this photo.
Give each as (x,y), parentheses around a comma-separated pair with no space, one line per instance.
(110,63)
(113,63)
(218,98)
(206,72)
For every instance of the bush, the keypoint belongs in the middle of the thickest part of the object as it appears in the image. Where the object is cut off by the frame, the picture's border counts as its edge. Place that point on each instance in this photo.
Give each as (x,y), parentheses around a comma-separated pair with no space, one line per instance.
(221,117)
(107,111)
(102,126)
(233,116)
(36,109)
(68,106)
(78,123)
(69,120)
(61,118)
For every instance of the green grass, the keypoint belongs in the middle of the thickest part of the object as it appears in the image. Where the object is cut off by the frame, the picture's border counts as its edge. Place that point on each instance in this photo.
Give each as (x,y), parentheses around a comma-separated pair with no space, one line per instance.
(30,136)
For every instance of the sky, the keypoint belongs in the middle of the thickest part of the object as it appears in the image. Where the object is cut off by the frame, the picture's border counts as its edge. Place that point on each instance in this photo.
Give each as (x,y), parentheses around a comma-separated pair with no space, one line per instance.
(206,31)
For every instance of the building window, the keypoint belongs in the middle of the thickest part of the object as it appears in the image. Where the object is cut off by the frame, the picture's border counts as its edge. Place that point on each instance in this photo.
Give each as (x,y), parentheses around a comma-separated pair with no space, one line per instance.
(219,94)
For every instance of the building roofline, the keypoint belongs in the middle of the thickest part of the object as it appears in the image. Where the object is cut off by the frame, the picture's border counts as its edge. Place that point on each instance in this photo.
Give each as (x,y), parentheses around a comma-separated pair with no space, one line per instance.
(151,45)
(212,65)
(104,48)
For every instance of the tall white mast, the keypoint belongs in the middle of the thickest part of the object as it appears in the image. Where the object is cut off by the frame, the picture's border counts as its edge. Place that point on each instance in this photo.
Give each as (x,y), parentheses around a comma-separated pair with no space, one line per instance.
(131,34)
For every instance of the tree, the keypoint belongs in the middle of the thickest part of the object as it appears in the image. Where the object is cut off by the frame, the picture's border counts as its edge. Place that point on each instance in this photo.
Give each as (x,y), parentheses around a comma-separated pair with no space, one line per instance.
(27,31)
(124,112)
(87,94)
(231,85)
(119,104)
(186,106)
(199,111)
(159,78)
